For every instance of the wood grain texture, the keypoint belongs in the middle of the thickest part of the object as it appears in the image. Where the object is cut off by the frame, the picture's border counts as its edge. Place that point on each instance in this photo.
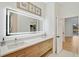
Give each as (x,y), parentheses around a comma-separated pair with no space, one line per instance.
(71,44)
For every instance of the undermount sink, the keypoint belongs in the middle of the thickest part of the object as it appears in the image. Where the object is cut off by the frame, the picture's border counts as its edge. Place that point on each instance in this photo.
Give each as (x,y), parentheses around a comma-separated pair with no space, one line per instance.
(16,45)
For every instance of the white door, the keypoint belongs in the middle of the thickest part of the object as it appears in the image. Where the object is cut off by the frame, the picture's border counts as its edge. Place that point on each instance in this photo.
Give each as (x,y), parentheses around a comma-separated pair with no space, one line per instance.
(59,34)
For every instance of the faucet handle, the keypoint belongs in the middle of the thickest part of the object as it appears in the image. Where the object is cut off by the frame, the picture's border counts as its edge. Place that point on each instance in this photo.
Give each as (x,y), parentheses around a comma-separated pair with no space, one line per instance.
(3,39)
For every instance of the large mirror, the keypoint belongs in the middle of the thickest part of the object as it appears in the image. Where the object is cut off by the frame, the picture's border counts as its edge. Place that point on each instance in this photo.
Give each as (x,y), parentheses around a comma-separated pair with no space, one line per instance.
(20,23)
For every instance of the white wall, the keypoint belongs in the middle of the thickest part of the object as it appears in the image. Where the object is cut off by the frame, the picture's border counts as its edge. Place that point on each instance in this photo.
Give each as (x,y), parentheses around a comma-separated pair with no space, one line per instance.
(2,18)
(49,23)
(66,9)
(50,19)
(3,5)
(69,25)
(68,28)
(69,9)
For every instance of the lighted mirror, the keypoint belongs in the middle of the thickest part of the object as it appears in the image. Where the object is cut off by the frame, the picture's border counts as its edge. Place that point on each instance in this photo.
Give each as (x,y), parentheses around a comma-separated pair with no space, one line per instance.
(18,23)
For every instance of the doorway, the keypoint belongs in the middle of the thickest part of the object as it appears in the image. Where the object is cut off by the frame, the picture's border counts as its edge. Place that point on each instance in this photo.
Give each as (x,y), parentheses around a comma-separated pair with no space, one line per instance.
(59,35)
(71,42)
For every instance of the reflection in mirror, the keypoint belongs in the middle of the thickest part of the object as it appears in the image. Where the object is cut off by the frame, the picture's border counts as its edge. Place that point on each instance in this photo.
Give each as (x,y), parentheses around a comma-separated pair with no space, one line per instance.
(21,23)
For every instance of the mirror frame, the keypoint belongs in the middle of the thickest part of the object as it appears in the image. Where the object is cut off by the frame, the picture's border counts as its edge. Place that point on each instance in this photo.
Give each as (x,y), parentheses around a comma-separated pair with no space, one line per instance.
(8,10)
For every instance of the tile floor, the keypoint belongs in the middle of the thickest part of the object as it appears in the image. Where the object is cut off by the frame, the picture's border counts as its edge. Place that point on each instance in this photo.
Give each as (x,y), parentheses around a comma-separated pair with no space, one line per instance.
(64,53)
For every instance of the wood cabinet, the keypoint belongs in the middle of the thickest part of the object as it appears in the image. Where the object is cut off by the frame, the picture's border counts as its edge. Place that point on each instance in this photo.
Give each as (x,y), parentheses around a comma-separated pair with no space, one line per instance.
(36,50)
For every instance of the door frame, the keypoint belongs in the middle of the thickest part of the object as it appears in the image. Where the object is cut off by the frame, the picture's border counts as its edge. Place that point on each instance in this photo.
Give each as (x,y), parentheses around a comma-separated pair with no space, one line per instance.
(56,36)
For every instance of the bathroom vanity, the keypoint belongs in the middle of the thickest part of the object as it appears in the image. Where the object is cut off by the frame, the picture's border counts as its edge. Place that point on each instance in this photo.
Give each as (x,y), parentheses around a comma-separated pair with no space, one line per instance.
(34,44)
(34,48)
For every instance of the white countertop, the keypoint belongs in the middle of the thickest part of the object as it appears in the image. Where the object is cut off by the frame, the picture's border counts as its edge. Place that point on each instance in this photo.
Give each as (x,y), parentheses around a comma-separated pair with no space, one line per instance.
(12,46)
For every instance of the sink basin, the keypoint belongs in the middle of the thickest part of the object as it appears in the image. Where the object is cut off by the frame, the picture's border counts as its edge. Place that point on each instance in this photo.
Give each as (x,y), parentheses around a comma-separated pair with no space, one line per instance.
(15,45)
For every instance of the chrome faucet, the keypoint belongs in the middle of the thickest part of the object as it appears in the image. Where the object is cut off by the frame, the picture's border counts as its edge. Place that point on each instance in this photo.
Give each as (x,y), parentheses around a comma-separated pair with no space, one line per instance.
(2,43)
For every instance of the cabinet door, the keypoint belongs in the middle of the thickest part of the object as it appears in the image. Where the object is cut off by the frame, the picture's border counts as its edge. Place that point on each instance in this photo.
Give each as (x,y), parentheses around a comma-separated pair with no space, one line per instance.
(38,49)
(45,46)
(32,51)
